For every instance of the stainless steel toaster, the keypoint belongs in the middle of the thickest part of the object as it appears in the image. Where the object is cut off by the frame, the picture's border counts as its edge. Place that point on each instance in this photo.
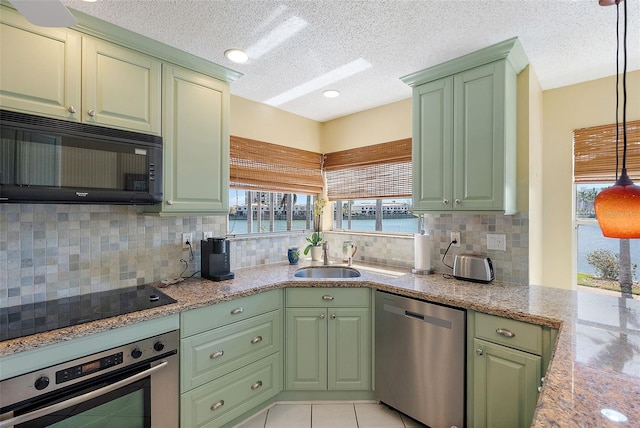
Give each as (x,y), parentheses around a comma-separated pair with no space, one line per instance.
(473,267)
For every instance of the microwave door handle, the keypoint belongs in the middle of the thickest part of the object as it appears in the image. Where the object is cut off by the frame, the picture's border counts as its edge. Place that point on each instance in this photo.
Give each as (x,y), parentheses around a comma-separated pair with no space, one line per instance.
(80,398)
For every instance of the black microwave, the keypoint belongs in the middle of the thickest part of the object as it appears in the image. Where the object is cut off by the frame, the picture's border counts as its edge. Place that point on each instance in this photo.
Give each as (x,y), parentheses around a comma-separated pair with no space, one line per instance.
(44,160)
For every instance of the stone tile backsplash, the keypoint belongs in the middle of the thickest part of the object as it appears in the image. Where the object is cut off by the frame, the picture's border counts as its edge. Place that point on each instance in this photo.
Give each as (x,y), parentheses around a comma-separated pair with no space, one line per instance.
(49,251)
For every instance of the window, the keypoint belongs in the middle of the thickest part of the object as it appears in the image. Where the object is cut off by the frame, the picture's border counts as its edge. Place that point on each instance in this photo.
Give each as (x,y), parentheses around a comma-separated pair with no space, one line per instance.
(594,163)
(372,187)
(271,187)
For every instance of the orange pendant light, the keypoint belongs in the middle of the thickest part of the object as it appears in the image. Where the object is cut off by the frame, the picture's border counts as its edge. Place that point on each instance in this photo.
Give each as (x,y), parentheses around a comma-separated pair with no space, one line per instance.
(618,207)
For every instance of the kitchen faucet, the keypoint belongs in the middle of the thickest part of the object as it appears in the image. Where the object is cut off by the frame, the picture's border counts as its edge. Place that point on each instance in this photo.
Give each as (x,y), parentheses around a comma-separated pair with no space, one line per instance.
(325,253)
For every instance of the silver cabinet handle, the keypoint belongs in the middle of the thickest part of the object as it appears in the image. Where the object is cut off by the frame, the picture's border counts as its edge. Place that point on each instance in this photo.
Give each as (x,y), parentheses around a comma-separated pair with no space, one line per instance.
(170,202)
(237,311)
(539,389)
(71,109)
(256,385)
(92,113)
(256,339)
(327,297)
(445,202)
(457,201)
(333,316)
(216,354)
(542,379)
(504,332)
(216,406)
(321,316)
(479,351)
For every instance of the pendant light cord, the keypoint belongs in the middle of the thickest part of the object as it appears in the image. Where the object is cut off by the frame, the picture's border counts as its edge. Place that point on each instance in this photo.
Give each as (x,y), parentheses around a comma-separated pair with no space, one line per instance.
(624,95)
(617,87)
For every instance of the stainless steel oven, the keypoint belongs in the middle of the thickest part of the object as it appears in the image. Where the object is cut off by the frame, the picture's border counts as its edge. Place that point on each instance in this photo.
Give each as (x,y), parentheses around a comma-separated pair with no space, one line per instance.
(134,385)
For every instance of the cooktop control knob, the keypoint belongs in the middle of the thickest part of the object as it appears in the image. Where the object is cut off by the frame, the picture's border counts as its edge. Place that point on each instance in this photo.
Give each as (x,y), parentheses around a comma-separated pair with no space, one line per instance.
(41,383)
(158,346)
(136,353)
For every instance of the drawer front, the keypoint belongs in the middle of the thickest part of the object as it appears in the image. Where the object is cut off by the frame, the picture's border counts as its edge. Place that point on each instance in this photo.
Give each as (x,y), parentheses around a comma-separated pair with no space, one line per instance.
(218,402)
(515,334)
(215,353)
(328,297)
(203,319)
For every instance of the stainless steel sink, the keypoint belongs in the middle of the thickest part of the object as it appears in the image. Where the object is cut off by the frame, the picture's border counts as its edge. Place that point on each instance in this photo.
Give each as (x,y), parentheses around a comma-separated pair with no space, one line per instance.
(327,272)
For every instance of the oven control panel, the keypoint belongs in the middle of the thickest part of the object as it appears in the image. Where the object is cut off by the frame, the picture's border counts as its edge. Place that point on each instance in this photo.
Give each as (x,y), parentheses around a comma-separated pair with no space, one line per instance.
(87,368)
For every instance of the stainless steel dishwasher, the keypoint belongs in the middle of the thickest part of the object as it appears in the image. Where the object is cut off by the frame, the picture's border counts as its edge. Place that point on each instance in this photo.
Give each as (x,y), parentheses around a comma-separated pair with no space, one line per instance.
(420,359)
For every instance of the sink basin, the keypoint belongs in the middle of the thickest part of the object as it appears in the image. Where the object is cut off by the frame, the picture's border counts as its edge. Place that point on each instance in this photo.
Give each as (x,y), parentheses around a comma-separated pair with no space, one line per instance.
(327,272)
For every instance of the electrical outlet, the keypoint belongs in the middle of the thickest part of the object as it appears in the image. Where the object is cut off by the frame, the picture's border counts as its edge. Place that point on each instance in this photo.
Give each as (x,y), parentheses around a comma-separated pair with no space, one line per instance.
(207,235)
(496,241)
(186,237)
(455,236)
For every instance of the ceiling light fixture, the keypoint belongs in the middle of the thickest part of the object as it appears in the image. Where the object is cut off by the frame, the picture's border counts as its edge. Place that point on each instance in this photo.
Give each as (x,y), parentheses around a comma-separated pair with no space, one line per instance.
(236,55)
(331,93)
(618,207)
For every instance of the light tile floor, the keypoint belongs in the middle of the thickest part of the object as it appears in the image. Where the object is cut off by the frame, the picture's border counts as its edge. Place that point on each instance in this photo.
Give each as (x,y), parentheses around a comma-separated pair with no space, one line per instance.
(343,415)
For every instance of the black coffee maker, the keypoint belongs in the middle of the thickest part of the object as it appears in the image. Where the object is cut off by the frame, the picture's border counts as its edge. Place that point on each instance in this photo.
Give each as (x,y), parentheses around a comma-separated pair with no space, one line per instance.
(214,259)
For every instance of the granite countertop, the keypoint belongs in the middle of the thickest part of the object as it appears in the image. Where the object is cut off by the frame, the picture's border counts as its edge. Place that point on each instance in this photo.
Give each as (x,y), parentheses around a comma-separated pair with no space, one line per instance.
(595,367)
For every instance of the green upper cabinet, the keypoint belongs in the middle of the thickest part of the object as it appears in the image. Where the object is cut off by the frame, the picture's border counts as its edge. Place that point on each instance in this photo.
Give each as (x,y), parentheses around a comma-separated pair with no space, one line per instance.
(196,143)
(64,74)
(40,70)
(120,87)
(464,131)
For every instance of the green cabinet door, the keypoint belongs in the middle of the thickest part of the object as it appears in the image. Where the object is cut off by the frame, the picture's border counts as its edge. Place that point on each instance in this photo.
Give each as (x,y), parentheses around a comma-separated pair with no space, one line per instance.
(196,143)
(479,135)
(40,71)
(306,349)
(433,145)
(120,87)
(505,386)
(349,349)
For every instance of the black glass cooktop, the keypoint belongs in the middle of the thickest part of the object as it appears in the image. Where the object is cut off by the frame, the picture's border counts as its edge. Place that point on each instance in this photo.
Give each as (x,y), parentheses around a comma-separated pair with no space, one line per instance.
(23,320)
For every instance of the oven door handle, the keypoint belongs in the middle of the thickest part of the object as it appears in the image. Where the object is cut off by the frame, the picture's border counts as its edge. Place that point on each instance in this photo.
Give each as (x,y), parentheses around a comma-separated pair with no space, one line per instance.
(80,398)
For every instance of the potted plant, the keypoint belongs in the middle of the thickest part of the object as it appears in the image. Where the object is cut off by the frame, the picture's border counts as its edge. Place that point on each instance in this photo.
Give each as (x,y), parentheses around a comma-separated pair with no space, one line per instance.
(315,240)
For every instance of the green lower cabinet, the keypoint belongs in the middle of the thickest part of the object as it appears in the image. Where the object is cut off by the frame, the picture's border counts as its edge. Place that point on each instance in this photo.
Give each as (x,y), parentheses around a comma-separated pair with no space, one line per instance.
(224,399)
(328,349)
(306,349)
(505,386)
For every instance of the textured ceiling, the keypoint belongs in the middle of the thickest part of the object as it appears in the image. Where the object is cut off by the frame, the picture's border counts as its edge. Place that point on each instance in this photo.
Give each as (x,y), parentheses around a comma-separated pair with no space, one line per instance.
(362,48)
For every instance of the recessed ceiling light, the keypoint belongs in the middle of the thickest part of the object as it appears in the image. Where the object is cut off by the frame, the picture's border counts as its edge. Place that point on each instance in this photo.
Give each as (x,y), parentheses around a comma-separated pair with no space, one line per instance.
(331,93)
(90,1)
(236,55)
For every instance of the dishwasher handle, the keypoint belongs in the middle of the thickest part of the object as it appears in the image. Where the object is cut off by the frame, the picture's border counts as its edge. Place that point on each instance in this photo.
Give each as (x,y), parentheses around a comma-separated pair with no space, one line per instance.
(414,315)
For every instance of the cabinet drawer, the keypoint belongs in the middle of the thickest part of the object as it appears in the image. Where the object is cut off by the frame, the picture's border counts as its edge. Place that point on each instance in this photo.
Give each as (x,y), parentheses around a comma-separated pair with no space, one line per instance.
(526,337)
(218,402)
(203,319)
(212,354)
(327,297)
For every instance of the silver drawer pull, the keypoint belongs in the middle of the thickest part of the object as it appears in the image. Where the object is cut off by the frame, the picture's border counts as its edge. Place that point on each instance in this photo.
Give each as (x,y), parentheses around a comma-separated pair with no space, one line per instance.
(504,332)
(256,385)
(217,405)
(321,316)
(327,297)
(256,339)
(216,354)
(333,316)
(237,311)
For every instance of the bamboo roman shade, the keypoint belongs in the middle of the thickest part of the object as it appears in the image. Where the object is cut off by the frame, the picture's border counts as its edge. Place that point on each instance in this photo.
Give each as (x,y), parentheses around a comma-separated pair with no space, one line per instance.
(595,153)
(256,165)
(370,172)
